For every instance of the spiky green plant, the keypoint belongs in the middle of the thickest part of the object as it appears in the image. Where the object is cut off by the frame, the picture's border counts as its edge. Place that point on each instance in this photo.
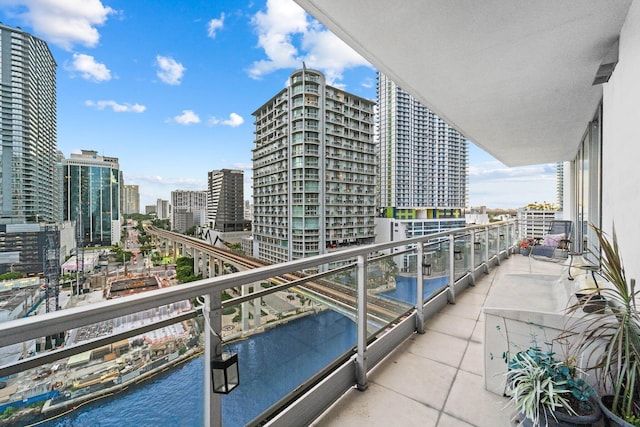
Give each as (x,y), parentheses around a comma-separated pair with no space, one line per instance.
(541,385)
(612,337)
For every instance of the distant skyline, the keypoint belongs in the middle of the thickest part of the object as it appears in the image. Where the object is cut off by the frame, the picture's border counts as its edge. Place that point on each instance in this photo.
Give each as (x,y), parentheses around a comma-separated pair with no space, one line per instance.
(168,88)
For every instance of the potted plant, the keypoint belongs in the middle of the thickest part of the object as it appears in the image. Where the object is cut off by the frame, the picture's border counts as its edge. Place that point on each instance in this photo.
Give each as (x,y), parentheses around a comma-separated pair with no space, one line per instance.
(610,339)
(548,392)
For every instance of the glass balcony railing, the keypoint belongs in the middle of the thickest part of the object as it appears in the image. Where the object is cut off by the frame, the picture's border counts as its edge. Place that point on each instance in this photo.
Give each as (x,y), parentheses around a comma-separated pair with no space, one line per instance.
(304,331)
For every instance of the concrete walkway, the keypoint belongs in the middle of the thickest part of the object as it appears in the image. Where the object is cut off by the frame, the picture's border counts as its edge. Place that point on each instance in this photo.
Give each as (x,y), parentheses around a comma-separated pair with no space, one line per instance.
(436,379)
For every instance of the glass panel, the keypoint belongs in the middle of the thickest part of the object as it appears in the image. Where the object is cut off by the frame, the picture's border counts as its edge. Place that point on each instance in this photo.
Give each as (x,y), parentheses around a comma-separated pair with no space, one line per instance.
(461,256)
(479,247)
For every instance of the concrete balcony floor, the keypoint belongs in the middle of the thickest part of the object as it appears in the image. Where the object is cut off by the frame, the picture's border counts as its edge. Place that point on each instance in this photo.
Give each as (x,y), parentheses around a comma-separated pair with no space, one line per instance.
(436,379)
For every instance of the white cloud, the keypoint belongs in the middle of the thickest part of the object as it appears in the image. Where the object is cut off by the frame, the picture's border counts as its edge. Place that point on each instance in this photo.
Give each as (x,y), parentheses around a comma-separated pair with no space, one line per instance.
(215,25)
(170,71)
(153,187)
(90,69)
(368,83)
(496,186)
(188,117)
(281,24)
(116,107)
(234,121)
(63,22)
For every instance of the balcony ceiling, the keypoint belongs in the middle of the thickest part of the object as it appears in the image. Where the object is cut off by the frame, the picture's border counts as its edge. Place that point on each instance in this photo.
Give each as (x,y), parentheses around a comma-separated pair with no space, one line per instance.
(515,77)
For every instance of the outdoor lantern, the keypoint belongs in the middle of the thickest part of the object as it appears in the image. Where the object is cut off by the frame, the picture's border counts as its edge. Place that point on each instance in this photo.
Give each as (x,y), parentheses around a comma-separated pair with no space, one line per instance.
(224,373)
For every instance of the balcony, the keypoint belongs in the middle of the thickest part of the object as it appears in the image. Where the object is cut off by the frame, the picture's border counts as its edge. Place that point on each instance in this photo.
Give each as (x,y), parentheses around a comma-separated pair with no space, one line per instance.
(428,377)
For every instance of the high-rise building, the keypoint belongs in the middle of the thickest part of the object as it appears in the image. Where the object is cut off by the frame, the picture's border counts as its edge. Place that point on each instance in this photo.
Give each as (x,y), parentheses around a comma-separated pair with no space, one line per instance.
(163,209)
(188,208)
(314,169)
(131,199)
(560,185)
(28,123)
(225,201)
(92,196)
(423,167)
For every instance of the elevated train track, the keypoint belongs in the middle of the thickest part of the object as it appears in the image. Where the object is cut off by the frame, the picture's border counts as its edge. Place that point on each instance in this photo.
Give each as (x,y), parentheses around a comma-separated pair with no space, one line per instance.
(380,308)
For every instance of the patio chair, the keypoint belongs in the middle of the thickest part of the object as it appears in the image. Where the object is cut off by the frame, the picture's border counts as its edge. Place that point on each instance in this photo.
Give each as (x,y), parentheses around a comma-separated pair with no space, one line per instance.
(556,243)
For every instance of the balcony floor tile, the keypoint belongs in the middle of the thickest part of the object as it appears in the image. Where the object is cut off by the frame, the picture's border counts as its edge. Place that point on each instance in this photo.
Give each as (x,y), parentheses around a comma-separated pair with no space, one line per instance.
(436,379)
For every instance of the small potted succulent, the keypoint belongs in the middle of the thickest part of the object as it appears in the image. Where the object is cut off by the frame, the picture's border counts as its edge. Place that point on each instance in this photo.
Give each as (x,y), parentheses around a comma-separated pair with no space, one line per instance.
(549,392)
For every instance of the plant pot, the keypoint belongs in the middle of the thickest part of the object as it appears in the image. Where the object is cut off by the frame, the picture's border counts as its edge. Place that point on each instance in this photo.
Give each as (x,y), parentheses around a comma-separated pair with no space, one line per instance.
(565,420)
(592,303)
(611,419)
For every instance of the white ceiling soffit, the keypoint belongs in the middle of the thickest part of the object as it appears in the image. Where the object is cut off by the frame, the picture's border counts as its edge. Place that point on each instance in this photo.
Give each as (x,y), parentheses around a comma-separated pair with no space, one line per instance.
(515,77)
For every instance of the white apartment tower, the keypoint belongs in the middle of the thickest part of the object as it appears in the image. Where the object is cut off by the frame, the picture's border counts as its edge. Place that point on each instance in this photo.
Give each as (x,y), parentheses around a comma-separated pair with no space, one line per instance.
(423,164)
(314,170)
(188,208)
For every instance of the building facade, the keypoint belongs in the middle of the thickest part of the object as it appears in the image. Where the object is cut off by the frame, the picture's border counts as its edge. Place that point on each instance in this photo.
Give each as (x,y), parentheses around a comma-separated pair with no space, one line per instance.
(131,199)
(28,150)
(423,166)
(225,201)
(314,170)
(163,209)
(92,196)
(188,209)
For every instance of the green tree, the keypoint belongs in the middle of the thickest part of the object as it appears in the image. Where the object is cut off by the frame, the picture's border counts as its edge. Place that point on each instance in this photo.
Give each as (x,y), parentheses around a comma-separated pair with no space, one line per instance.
(191,231)
(12,275)
(120,254)
(184,261)
(236,247)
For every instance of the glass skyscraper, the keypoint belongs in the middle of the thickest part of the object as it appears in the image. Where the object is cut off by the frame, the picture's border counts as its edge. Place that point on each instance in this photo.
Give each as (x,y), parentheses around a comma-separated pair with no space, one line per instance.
(92,196)
(28,129)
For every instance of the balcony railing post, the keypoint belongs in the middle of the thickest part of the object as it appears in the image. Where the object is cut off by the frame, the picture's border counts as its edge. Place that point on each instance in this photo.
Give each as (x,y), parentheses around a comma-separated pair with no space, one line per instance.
(486,249)
(212,348)
(451,292)
(472,256)
(361,358)
(420,266)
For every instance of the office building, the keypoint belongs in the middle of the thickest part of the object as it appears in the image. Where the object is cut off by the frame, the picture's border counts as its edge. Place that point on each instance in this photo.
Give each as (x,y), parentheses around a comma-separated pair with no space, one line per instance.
(131,199)
(423,167)
(28,102)
(225,201)
(188,209)
(92,196)
(314,170)
(150,210)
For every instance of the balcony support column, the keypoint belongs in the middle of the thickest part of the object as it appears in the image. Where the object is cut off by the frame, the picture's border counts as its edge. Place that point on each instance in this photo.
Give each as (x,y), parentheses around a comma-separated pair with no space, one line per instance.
(472,257)
(361,357)
(212,266)
(212,348)
(451,292)
(195,255)
(486,250)
(420,266)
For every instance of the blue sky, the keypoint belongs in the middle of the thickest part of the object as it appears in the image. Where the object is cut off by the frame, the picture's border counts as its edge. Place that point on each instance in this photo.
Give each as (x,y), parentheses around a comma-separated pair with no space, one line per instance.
(169,87)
